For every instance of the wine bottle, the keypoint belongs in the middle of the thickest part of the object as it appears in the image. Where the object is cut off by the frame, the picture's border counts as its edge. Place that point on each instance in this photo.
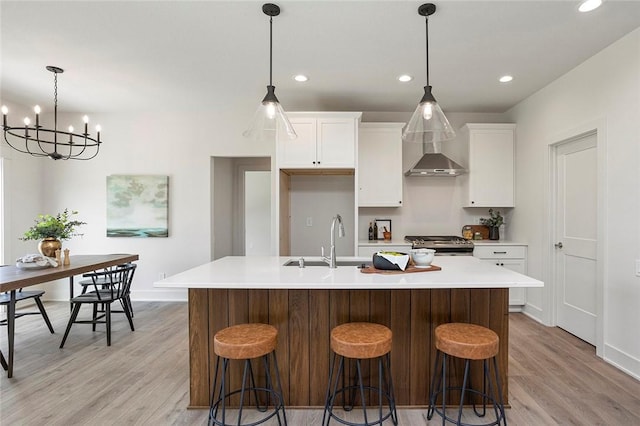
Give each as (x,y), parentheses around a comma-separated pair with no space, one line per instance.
(375,231)
(370,232)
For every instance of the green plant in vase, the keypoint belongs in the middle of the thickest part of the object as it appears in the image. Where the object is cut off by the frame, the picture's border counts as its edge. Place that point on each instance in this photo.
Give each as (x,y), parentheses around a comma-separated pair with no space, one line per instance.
(51,230)
(493,223)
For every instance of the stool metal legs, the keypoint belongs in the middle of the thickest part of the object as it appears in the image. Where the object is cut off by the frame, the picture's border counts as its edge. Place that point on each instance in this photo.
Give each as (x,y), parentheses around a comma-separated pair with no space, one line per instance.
(384,391)
(439,387)
(220,401)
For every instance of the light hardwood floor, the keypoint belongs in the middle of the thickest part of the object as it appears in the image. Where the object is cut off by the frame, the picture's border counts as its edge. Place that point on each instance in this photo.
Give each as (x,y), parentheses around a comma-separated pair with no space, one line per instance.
(142,378)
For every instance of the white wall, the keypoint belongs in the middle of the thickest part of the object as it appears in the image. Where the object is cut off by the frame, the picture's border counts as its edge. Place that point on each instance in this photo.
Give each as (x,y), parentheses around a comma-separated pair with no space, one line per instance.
(23,189)
(604,89)
(320,198)
(179,144)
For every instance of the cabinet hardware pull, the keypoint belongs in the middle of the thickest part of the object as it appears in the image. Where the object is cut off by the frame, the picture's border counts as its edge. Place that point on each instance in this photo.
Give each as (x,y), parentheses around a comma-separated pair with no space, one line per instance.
(499,252)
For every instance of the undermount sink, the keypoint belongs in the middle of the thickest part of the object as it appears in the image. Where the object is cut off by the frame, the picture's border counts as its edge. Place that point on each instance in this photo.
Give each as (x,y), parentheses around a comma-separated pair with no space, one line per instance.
(359,263)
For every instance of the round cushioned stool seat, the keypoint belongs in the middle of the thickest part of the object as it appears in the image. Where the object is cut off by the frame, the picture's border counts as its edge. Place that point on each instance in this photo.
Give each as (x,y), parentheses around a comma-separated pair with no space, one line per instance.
(245,341)
(361,340)
(467,341)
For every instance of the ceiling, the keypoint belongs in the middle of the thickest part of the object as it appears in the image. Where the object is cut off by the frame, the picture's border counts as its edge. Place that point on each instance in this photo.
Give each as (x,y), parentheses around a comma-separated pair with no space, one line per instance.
(213,55)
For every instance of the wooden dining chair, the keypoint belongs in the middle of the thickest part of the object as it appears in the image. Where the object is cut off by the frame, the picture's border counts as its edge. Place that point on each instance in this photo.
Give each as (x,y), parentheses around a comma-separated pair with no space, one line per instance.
(117,289)
(24,295)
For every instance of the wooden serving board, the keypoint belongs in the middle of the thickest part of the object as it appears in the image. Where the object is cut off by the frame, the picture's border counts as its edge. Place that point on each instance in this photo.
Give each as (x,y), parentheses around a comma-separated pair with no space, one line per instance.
(408,270)
(482,229)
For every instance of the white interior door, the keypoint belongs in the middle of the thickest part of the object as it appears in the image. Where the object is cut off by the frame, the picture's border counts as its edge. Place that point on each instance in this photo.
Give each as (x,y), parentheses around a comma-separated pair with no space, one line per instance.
(576,237)
(257,213)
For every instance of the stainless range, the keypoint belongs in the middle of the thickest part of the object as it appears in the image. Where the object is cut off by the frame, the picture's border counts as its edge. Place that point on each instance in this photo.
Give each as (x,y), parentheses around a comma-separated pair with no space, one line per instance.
(444,245)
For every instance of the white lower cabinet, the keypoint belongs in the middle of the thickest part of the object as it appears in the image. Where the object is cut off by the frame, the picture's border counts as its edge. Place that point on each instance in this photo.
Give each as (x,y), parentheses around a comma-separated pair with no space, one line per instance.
(510,256)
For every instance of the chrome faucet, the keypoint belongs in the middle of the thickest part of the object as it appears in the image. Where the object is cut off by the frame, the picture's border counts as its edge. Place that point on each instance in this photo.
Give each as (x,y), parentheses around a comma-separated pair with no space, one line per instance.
(331,260)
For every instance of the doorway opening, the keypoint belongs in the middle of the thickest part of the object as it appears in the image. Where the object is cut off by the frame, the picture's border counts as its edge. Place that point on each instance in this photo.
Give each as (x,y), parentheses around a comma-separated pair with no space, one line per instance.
(241,206)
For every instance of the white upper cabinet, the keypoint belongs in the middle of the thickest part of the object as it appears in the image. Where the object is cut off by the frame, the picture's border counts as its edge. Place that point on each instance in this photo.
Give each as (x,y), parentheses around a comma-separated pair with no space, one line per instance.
(325,140)
(380,165)
(490,178)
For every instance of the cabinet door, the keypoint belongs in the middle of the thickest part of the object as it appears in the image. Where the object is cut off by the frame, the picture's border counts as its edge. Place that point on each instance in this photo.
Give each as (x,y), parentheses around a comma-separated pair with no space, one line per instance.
(380,165)
(336,145)
(300,152)
(516,295)
(491,168)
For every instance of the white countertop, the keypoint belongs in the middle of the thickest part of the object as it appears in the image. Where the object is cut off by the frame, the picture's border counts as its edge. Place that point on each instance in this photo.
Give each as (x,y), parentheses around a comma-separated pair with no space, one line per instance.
(268,272)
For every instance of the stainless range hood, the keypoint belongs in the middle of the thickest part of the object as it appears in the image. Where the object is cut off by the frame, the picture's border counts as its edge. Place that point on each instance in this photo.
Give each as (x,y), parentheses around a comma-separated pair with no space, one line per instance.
(435,164)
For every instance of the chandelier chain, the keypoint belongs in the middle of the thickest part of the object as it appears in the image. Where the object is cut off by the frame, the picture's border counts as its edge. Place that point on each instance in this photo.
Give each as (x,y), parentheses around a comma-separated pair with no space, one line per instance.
(55,89)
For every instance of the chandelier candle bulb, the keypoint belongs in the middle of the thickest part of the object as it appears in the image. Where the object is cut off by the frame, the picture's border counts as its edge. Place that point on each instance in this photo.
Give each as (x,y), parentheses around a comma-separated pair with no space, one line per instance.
(86,124)
(5,111)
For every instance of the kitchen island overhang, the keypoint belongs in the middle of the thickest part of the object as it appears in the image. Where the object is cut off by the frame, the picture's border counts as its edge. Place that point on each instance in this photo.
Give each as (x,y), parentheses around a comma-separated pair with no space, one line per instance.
(305,303)
(268,272)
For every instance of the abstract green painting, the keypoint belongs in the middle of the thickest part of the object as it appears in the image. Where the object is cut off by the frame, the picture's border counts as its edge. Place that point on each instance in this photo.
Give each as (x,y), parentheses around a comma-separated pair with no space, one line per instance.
(137,206)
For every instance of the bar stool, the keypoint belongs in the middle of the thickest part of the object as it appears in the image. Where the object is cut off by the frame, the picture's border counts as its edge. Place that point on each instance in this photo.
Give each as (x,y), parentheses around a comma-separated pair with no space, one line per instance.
(361,340)
(246,342)
(468,342)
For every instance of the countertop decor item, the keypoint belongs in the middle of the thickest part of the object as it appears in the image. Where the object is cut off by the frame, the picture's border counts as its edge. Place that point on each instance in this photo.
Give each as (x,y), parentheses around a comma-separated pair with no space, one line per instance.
(51,230)
(382,226)
(270,113)
(40,141)
(428,123)
(493,222)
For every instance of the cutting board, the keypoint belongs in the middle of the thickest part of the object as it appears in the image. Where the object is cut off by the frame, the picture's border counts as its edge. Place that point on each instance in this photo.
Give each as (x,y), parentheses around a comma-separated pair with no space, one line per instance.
(482,229)
(408,270)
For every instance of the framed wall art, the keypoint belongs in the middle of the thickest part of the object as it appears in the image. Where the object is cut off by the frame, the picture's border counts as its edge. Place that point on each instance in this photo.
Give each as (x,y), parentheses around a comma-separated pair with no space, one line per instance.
(384,225)
(137,206)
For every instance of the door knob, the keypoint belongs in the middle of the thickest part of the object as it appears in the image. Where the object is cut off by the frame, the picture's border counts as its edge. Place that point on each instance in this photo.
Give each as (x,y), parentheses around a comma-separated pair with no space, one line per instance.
(558,245)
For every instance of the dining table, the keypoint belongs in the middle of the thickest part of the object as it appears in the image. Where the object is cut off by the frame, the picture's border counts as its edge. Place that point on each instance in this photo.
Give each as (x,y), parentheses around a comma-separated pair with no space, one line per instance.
(13,278)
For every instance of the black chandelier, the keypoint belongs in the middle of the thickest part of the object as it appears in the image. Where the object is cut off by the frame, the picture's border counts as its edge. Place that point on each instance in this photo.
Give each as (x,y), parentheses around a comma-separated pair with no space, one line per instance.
(53,143)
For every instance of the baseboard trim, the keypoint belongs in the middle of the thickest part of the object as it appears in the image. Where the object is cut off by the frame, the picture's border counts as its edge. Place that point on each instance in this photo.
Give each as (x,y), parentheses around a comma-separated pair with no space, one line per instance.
(622,361)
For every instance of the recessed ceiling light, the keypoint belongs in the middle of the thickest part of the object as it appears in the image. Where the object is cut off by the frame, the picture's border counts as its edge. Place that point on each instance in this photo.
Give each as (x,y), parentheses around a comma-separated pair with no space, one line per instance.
(505,79)
(589,5)
(404,78)
(301,78)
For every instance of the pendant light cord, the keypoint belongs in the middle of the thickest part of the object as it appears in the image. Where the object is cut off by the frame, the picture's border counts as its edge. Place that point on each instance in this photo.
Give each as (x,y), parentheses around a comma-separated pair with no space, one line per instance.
(426,19)
(270,50)
(55,111)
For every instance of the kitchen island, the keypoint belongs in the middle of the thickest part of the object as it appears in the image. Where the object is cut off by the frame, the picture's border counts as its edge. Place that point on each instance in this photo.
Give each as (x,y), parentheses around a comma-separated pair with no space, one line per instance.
(304,304)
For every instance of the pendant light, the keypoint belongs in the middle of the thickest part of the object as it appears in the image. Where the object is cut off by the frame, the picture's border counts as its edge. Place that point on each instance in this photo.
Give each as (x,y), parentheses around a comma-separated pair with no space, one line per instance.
(269,114)
(428,123)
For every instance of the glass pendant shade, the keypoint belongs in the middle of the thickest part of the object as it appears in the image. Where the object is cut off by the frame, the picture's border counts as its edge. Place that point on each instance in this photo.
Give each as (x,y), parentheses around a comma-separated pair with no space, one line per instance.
(268,117)
(428,123)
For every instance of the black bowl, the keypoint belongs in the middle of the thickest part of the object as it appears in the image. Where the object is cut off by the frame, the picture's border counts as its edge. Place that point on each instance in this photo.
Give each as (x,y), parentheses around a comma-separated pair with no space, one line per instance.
(380,262)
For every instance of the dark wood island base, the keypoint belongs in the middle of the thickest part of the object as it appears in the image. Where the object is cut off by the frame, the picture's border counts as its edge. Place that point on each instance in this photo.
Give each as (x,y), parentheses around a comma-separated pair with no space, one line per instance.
(304,319)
